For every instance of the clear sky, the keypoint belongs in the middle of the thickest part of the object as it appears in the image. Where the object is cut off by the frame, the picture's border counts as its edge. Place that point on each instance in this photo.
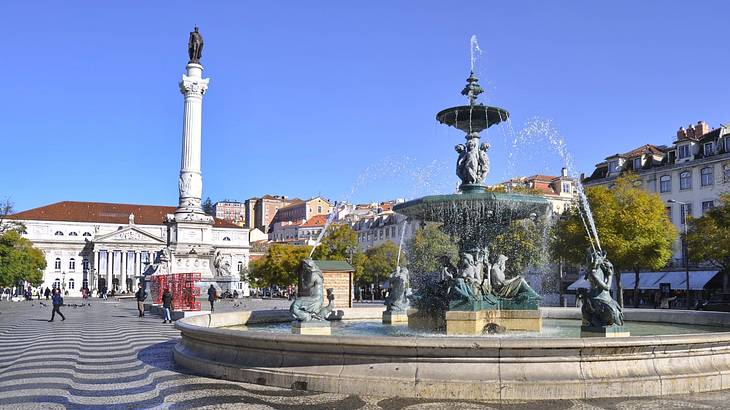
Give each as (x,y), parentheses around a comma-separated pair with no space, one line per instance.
(339,98)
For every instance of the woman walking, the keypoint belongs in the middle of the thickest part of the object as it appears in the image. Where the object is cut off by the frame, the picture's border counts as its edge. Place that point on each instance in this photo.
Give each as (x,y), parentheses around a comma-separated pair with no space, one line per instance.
(57,302)
(167,305)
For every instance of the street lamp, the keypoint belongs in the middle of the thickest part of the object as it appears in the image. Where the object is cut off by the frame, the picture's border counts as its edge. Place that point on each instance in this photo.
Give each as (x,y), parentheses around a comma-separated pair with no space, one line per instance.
(685,248)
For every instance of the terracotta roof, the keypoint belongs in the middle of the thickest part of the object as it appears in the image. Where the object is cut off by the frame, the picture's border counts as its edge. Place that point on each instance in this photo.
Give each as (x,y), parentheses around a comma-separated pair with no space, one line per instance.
(100,212)
(652,149)
(316,220)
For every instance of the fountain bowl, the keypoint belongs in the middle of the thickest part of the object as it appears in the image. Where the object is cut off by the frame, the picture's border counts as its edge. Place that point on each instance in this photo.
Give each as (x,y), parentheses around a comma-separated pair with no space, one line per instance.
(472,118)
(467,368)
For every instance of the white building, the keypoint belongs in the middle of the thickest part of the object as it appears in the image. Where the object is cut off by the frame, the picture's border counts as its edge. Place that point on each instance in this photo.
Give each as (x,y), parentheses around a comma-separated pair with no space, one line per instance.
(298,233)
(694,170)
(559,190)
(96,245)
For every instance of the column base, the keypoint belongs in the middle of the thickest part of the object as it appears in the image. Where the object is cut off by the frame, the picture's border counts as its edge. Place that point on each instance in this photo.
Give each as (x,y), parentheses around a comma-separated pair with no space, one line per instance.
(492,321)
(390,318)
(312,327)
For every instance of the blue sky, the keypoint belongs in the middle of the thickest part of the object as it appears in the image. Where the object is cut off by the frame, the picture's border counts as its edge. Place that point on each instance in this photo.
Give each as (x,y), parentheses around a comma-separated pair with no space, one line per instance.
(339,98)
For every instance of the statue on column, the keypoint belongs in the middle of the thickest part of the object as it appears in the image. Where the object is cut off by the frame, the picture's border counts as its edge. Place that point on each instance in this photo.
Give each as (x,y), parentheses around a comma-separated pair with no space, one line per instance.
(195,46)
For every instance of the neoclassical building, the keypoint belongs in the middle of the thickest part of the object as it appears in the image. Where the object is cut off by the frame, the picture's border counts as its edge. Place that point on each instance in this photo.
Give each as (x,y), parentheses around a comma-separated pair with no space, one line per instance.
(100,245)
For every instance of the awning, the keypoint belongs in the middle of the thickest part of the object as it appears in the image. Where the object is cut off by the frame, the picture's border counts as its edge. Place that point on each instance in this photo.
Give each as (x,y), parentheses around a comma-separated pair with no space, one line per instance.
(652,280)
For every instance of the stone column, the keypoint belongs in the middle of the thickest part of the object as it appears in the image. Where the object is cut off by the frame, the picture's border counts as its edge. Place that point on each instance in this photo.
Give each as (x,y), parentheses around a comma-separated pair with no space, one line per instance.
(96,271)
(109,266)
(190,183)
(123,273)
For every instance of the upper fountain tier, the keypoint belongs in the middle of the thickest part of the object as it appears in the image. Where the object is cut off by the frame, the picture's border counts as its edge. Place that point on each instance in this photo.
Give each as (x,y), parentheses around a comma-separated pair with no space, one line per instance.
(472,118)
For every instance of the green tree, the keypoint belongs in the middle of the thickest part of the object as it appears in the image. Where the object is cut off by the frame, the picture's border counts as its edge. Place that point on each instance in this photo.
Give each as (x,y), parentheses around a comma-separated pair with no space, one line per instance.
(7,223)
(426,247)
(19,260)
(522,243)
(338,244)
(708,238)
(208,206)
(278,265)
(633,228)
(380,261)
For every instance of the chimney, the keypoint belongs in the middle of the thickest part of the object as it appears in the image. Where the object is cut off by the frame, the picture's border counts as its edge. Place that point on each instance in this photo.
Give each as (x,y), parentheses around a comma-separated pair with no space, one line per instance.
(681,134)
(701,128)
(690,132)
(564,172)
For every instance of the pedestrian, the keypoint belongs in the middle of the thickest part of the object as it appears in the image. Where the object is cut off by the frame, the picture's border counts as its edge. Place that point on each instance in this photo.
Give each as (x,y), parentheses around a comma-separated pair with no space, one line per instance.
(212,296)
(57,302)
(103,293)
(166,305)
(141,295)
(47,294)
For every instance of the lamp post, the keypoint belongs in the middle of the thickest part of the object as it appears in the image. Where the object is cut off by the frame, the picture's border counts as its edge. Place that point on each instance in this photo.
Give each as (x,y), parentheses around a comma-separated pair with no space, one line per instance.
(685,248)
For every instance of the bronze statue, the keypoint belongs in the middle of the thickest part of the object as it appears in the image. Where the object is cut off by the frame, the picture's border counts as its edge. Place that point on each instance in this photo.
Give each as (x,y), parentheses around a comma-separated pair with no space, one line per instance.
(599,309)
(309,304)
(400,289)
(195,46)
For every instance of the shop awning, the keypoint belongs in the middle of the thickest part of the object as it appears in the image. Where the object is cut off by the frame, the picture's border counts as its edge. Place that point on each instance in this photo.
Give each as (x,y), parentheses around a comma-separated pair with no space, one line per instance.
(652,280)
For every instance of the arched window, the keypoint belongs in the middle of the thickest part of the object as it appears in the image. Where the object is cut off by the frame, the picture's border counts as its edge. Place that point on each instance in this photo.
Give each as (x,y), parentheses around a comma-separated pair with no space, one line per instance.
(58,233)
(86,234)
(227,239)
(85,264)
(707,177)
(72,264)
(240,266)
(665,184)
(73,234)
(685,180)
(57,284)
(57,264)
(85,284)
(71,283)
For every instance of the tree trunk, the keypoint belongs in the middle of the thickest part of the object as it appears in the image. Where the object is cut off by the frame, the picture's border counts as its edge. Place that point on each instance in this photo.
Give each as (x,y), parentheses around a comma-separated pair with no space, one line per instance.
(636,287)
(619,289)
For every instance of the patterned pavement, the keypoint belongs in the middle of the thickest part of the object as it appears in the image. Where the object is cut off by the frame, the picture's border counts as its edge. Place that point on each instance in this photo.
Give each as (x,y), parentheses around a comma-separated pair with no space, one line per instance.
(104,357)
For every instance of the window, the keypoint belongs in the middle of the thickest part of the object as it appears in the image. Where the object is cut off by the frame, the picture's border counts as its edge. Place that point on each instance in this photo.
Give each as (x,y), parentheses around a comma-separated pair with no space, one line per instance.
(240,266)
(57,284)
(72,264)
(566,187)
(85,284)
(685,180)
(685,212)
(58,233)
(225,238)
(613,167)
(86,234)
(709,149)
(665,184)
(669,213)
(85,264)
(727,144)
(683,151)
(71,283)
(707,177)
(707,205)
(73,234)
(57,264)
(319,209)
(637,164)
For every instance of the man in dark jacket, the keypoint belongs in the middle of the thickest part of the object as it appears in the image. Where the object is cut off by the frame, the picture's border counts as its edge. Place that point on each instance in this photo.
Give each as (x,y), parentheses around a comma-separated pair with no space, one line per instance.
(212,296)
(141,295)
(167,305)
(47,294)
(57,302)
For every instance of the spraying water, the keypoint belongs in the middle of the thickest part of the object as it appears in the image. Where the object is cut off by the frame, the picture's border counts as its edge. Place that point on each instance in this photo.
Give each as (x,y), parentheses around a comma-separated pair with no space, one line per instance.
(400,244)
(474,51)
(330,218)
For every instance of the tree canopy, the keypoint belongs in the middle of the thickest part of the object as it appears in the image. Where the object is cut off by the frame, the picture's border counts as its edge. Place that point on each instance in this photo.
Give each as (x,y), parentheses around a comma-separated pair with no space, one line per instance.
(708,237)
(207,206)
(19,260)
(633,227)
(278,265)
(522,243)
(380,262)
(427,246)
(338,244)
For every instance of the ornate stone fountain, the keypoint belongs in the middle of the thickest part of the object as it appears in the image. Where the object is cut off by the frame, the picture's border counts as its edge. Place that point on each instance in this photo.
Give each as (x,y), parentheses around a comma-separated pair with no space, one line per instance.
(475,295)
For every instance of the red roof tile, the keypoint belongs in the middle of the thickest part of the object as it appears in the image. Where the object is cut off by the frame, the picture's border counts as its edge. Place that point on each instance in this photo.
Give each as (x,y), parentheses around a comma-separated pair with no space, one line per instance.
(316,220)
(100,212)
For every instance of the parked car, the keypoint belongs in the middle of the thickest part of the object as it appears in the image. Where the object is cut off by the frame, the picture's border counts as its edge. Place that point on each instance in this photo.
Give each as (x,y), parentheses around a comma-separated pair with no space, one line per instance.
(718,302)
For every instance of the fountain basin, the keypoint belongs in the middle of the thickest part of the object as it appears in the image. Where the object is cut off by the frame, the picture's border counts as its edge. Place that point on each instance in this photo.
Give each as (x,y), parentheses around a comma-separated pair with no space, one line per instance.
(472,118)
(479,368)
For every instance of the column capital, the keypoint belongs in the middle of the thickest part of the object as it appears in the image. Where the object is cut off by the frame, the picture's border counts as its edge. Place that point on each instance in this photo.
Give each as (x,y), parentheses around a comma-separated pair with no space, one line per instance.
(193,86)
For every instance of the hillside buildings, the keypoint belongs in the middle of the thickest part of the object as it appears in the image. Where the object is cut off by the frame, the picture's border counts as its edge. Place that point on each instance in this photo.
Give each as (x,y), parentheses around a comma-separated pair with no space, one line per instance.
(230,211)
(559,190)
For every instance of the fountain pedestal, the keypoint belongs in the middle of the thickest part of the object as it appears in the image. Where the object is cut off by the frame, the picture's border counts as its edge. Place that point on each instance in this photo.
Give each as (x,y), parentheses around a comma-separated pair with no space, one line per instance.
(481,321)
(390,317)
(311,327)
(604,331)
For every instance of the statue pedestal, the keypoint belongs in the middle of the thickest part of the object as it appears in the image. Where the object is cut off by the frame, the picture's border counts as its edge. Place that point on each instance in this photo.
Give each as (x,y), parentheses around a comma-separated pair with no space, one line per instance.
(390,318)
(604,331)
(418,320)
(312,327)
(475,322)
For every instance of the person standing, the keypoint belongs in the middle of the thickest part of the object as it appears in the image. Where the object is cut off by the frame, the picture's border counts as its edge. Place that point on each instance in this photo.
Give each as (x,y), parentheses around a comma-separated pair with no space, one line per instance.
(47,294)
(57,302)
(141,295)
(212,296)
(167,305)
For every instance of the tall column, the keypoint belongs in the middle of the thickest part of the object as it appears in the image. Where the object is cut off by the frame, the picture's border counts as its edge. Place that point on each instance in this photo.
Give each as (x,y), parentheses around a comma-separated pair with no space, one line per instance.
(109,263)
(95,282)
(123,272)
(190,183)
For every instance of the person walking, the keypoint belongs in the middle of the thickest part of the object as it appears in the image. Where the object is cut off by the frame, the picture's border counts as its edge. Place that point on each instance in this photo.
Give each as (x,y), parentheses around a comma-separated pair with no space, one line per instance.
(212,296)
(166,305)
(141,295)
(47,294)
(57,302)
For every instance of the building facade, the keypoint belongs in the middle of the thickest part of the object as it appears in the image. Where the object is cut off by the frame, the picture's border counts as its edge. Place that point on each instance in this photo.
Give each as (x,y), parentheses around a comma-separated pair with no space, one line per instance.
(230,211)
(299,211)
(260,212)
(559,190)
(298,233)
(694,170)
(101,245)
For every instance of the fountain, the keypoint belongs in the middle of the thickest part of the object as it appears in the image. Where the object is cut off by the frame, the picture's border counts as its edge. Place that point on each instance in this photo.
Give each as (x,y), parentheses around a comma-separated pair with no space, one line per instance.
(475,295)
